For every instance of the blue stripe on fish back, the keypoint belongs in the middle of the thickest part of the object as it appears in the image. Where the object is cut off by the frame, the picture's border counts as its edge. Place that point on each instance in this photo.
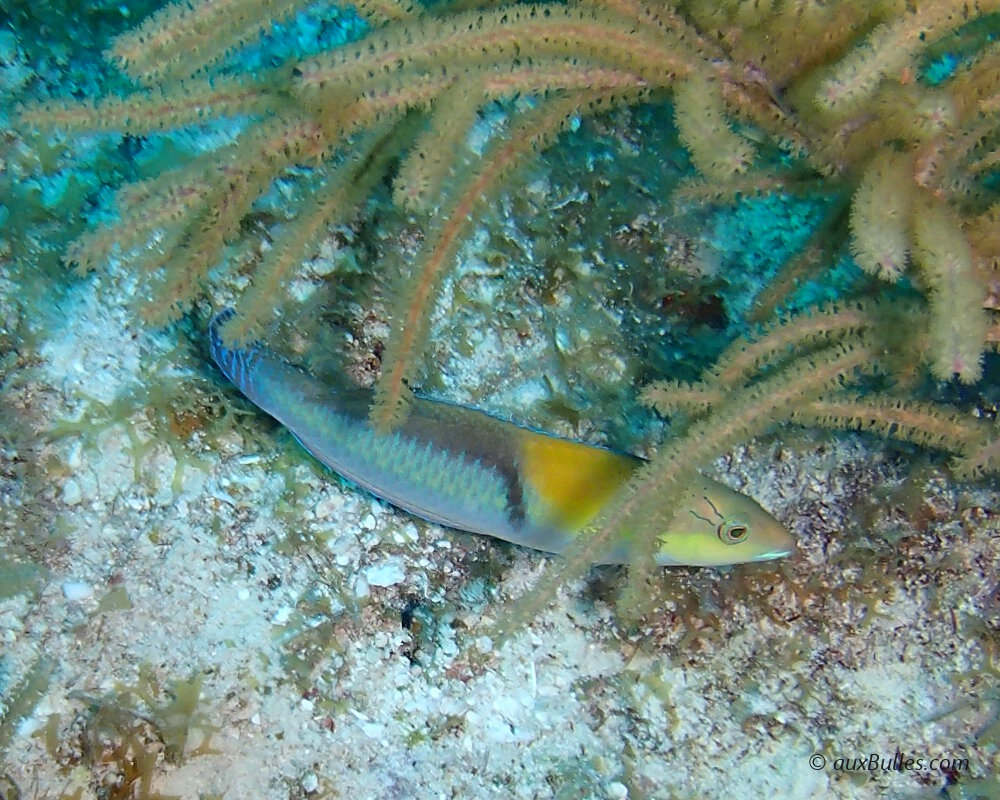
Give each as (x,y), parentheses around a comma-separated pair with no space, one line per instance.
(237,363)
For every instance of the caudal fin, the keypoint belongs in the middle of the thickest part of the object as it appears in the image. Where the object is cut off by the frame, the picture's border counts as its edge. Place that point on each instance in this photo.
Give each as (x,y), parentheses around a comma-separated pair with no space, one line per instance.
(236,363)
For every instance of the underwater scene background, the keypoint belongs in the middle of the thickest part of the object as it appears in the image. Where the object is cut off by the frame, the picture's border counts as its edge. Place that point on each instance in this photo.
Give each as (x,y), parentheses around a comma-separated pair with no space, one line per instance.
(758,240)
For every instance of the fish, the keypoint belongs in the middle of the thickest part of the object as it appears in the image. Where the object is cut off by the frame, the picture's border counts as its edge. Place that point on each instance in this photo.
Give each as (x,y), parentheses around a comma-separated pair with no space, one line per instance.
(462,468)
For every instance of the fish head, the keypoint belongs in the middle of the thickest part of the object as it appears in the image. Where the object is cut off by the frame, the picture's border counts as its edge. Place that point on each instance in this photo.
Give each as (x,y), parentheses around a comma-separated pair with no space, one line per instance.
(715,526)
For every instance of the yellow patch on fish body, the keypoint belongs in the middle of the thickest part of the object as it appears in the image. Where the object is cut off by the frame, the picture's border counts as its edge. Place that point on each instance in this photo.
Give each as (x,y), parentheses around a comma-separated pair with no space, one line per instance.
(574,480)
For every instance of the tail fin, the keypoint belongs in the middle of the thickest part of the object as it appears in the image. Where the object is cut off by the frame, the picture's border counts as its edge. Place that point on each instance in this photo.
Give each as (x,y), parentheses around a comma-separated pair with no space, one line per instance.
(236,363)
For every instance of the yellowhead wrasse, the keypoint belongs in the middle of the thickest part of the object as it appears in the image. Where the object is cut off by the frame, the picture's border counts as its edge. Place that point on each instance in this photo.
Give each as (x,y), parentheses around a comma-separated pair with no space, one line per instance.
(465,469)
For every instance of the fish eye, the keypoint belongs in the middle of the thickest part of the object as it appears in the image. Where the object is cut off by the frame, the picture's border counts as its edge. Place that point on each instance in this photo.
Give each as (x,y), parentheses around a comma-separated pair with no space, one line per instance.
(733,530)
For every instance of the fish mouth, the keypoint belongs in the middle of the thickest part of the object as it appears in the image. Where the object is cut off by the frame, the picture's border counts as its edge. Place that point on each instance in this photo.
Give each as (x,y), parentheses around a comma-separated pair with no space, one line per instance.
(772,555)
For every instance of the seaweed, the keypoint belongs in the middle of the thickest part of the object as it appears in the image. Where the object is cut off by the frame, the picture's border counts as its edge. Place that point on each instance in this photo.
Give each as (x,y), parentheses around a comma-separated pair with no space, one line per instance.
(123,740)
(21,699)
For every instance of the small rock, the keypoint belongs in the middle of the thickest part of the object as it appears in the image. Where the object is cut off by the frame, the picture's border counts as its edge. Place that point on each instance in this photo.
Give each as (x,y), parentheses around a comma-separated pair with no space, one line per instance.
(282,615)
(616,791)
(74,457)
(410,532)
(76,591)
(71,493)
(388,573)
(310,783)
(372,730)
